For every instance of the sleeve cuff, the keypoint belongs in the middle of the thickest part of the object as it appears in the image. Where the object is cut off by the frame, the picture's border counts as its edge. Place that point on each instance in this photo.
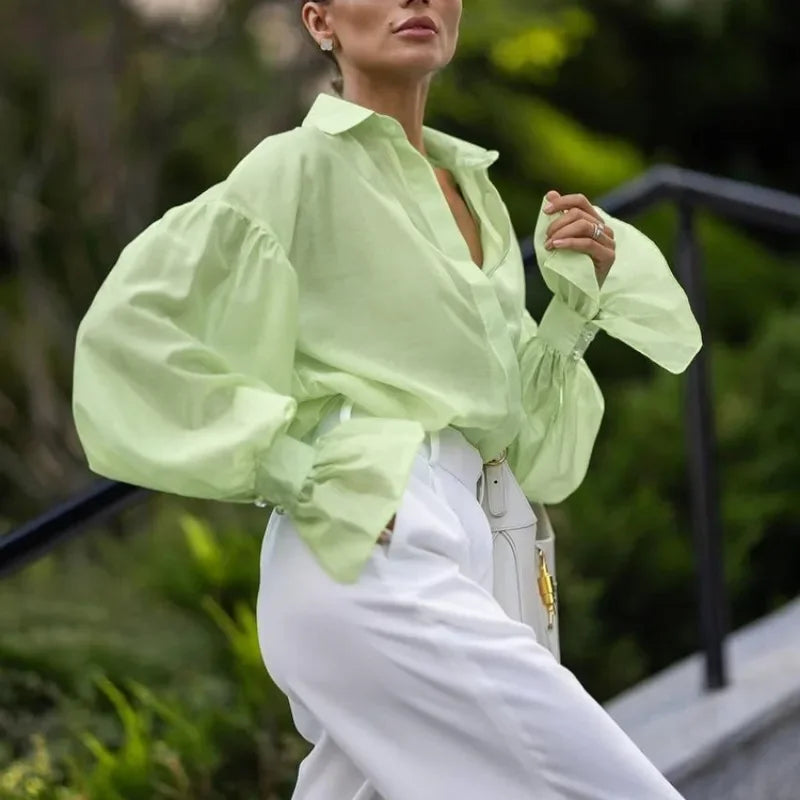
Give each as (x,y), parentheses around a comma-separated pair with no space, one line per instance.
(360,471)
(566,330)
(343,488)
(282,477)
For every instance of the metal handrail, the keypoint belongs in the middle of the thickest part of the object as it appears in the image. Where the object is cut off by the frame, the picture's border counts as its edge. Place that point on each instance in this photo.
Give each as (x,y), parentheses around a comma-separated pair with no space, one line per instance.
(742,202)
(37,537)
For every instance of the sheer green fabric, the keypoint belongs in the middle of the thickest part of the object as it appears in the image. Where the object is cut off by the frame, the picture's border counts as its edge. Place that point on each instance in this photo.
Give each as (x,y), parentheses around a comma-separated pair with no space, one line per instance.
(326,265)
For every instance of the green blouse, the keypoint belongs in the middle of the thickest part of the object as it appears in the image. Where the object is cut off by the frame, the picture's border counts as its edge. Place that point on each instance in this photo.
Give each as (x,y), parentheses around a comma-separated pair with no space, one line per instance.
(329,264)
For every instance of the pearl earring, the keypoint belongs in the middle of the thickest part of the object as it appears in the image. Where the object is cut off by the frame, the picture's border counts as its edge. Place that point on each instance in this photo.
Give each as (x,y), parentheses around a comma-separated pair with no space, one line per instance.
(326,44)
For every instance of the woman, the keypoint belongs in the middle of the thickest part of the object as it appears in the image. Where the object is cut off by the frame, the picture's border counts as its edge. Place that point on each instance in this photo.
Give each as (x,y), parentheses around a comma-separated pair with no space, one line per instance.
(363,257)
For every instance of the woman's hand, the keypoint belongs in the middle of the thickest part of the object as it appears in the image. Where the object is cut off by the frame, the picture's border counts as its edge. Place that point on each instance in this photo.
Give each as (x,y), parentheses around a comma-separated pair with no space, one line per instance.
(576,228)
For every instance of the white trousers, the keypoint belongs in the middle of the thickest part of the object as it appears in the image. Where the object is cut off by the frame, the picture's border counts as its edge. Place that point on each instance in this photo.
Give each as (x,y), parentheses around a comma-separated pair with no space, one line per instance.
(413,684)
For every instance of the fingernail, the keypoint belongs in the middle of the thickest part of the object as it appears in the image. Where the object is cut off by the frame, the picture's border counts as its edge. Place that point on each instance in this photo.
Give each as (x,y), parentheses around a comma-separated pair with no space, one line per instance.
(558,242)
(552,194)
(548,207)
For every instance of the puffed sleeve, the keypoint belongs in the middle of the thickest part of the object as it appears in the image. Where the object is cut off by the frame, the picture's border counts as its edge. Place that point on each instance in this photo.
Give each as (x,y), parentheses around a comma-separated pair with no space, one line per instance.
(562,410)
(640,303)
(182,383)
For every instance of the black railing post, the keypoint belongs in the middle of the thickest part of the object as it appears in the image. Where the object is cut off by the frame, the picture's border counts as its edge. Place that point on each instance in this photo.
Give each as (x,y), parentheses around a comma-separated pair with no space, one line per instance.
(706,524)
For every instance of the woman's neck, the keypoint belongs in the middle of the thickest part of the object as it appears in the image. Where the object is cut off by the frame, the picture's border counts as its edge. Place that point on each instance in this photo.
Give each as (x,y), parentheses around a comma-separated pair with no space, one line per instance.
(405,102)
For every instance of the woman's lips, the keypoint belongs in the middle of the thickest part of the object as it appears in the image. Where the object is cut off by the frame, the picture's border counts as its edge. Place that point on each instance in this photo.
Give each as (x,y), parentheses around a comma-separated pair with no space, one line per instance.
(417,33)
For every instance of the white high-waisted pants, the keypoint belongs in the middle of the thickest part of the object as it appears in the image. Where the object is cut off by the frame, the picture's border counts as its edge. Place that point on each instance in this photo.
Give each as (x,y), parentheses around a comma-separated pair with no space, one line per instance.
(413,684)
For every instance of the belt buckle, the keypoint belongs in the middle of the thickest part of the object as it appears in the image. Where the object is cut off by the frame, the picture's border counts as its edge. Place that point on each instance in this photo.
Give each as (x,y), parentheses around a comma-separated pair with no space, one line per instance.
(498,460)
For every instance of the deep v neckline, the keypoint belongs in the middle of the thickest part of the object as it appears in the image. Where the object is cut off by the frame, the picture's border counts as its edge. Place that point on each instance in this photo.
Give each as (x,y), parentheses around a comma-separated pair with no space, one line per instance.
(471,211)
(433,215)
(477,221)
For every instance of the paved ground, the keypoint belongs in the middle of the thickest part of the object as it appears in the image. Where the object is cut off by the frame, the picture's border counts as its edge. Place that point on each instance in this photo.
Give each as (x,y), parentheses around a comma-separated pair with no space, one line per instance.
(766,769)
(740,742)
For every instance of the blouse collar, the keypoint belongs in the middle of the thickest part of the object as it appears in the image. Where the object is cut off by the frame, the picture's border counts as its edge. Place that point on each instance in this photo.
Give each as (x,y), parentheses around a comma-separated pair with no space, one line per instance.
(336,116)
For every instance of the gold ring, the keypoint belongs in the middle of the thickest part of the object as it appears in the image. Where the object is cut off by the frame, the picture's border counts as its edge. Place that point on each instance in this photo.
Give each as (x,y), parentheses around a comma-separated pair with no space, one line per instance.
(499,460)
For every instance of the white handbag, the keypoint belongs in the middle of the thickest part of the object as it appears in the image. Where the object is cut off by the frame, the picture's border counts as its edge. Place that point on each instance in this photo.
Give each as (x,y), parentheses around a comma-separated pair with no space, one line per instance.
(524,554)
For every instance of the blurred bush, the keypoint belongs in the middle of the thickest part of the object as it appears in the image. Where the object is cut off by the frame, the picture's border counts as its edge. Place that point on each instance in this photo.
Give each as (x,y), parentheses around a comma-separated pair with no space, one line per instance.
(133,689)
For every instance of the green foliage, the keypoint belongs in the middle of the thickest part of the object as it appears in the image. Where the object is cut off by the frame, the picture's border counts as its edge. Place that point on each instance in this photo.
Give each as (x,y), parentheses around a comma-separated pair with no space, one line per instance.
(538,51)
(200,560)
(206,723)
(258,691)
(61,631)
(33,776)
(626,532)
(173,762)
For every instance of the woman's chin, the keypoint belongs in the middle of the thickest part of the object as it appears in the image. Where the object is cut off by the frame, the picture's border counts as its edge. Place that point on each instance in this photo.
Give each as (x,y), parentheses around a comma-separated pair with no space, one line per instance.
(412,66)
